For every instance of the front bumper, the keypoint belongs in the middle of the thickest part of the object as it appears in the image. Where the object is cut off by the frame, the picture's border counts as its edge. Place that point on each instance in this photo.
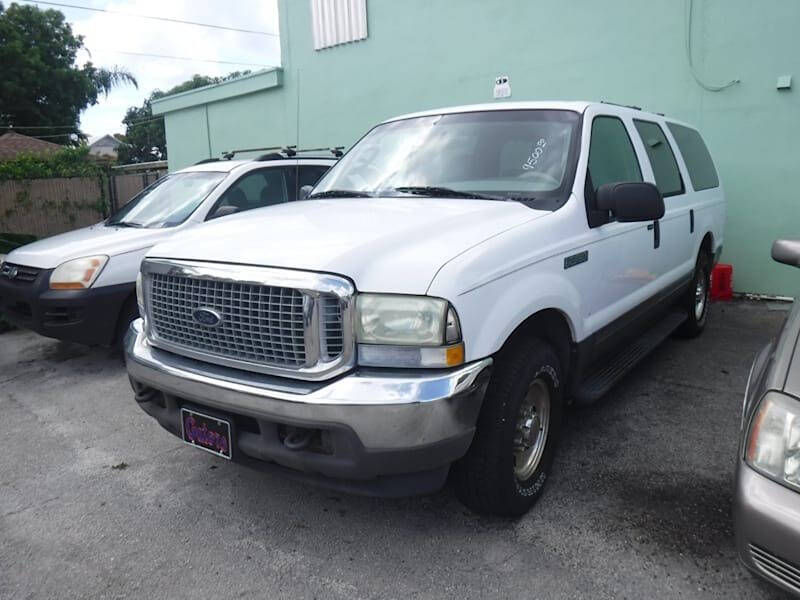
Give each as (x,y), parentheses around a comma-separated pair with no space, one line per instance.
(766,519)
(389,432)
(85,316)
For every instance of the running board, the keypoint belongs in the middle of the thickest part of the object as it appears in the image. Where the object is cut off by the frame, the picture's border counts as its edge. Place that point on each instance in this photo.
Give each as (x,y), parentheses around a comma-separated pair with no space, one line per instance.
(598,383)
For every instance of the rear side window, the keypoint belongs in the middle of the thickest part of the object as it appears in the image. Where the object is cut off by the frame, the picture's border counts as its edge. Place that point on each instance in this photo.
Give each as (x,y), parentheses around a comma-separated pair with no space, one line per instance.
(665,167)
(612,158)
(696,156)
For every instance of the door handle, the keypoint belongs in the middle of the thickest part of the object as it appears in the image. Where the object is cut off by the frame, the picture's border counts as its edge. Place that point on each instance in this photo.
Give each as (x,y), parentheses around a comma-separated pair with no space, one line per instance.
(656,229)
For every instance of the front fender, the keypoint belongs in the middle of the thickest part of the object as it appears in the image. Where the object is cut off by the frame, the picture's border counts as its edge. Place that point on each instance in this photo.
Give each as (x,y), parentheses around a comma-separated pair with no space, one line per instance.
(491,313)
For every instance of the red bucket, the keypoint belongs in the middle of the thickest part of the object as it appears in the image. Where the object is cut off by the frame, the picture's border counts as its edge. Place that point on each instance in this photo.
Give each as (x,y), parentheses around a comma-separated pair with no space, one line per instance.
(722,282)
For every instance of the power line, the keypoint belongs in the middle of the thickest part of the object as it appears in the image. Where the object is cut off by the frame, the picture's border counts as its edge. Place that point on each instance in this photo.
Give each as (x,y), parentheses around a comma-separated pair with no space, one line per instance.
(73,127)
(186,58)
(154,18)
(41,137)
(38,127)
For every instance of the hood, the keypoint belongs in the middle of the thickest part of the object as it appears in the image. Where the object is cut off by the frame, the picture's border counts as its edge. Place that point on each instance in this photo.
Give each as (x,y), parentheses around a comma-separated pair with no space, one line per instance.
(97,239)
(382,244)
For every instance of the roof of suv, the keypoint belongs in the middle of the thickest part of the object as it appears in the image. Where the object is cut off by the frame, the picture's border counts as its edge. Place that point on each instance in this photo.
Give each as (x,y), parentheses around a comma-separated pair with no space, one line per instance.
(226,166)
(544,105)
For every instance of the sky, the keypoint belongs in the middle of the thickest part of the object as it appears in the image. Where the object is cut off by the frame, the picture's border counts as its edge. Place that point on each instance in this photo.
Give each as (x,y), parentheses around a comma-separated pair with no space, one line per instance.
(106,36)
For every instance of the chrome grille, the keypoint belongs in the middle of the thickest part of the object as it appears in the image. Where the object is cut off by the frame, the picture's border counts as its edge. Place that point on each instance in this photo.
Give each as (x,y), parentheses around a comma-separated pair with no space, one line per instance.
(775,568)
(332,329)
(19,273)
(263,319)
(259,323)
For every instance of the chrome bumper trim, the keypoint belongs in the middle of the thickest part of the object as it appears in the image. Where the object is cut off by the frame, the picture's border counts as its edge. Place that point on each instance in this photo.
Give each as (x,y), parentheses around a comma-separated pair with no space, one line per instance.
(386,409)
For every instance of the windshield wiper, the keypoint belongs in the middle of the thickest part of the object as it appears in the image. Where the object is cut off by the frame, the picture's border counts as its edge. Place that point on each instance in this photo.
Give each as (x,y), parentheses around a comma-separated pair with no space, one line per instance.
(125,224)
(443,192)
(339,194)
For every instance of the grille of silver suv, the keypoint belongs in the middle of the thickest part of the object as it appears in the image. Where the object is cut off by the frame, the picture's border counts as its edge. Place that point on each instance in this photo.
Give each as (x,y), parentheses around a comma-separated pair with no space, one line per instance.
(254,324)
(19,273)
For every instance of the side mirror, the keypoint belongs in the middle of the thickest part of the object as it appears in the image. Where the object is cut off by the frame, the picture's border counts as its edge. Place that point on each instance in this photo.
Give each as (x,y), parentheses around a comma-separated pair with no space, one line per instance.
(305,192)
(224,211)
(786,252)
(631,202)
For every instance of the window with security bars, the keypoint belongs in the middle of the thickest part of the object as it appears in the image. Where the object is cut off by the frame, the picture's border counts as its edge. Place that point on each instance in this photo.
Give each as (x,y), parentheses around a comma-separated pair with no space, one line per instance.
(336,22)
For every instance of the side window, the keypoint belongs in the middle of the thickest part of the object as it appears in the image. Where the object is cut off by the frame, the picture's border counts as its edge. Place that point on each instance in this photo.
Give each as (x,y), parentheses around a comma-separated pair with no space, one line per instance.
(255,190)
(612,158)
(696,156)
(298,176)
(662,159)
(310,174)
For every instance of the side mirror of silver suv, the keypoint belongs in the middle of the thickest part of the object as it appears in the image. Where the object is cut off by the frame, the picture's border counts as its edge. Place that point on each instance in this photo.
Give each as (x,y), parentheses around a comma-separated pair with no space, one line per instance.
(305,192)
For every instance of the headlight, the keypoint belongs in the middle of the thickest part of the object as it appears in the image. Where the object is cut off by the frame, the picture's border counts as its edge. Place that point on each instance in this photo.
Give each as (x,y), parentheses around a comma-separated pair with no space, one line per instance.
(77,274)
(773,442)
(407,331)
(140,294)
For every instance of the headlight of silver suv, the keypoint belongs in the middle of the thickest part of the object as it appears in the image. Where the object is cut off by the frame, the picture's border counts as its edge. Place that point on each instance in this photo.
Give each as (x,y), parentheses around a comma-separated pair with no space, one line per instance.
(773,442)
(77,274)
(395,330)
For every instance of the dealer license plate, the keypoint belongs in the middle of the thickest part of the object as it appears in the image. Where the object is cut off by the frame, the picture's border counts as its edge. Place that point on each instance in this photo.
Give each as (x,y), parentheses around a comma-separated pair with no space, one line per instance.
(206,432)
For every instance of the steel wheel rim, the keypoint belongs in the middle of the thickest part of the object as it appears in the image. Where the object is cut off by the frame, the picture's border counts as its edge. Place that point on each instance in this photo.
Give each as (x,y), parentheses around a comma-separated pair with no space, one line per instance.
(700,295)
(532,427)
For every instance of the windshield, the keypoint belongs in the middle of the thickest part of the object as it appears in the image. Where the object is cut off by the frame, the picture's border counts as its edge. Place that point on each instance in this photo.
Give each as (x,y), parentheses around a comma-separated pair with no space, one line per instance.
(168,202)
(525,155)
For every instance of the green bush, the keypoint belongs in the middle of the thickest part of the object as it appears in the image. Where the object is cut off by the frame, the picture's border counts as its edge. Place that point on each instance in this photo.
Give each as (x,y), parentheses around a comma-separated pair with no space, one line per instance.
(9,241)
(69,162)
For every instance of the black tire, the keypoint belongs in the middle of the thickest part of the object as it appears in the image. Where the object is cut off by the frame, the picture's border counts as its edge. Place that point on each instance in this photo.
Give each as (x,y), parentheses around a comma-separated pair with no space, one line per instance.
(696,319)
(127,314)
(486,479)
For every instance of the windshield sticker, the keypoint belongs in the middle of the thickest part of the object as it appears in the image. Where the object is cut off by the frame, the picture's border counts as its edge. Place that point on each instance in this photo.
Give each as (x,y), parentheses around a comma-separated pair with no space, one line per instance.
(534,157)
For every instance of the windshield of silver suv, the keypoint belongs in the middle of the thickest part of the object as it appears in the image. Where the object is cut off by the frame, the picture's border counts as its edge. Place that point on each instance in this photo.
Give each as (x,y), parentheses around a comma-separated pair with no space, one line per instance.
(168,202)
(524,155)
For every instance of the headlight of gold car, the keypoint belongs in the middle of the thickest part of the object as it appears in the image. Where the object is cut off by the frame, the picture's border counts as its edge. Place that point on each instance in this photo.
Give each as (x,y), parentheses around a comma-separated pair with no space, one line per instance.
(773,442)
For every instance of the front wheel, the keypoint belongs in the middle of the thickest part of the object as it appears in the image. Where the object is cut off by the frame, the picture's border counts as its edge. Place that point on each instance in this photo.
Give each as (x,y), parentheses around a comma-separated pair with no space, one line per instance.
(127,314)
(509,460)
(697,299)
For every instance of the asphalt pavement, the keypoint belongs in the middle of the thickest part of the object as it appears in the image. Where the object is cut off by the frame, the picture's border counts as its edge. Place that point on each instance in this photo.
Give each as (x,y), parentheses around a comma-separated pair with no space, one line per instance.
(96,501)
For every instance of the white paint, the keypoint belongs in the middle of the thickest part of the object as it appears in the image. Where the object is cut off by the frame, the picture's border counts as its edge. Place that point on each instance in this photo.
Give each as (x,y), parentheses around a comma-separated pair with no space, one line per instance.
(335,22)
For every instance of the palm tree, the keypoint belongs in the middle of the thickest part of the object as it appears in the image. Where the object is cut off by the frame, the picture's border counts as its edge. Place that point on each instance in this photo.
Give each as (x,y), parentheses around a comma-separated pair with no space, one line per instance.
(105,80)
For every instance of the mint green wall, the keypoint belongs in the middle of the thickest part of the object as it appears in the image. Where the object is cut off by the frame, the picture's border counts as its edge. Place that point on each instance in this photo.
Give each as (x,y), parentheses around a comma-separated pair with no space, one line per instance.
(426,53)
(187,136)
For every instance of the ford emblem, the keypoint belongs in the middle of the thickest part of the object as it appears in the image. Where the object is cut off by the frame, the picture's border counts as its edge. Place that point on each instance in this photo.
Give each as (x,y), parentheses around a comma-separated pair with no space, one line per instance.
(207,317)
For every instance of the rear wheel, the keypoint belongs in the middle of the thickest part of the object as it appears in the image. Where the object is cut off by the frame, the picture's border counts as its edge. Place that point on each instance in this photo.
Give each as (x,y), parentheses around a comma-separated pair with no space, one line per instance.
(697,298)
(509,460)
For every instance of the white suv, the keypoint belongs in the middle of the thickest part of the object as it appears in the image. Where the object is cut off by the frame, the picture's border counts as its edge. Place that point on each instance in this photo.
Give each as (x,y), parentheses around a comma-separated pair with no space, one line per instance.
(451,284)
(79,286)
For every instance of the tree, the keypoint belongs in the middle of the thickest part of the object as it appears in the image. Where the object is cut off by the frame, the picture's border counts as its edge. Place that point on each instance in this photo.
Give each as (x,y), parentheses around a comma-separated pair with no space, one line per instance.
(41,86)
(144,138)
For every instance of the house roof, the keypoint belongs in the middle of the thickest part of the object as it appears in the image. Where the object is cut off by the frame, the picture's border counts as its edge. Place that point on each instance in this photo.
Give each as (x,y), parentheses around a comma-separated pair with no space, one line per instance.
(104,140)
(13,143)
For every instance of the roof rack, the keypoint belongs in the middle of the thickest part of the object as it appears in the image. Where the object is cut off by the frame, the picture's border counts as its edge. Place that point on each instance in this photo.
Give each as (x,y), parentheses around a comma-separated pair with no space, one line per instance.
(622,105)
(283,152)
